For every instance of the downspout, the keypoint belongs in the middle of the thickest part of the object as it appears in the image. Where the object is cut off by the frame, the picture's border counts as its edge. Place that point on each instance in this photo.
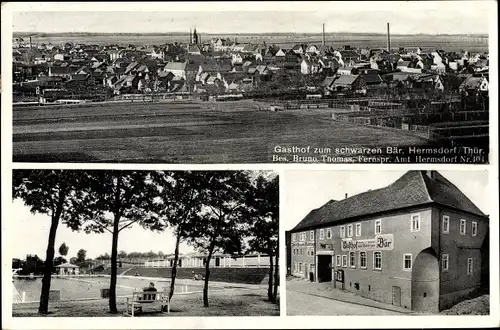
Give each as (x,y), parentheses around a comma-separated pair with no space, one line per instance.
(439,254)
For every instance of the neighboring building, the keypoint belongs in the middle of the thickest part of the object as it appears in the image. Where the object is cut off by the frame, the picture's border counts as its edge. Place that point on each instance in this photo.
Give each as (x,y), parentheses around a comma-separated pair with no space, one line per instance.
(178,69)
(348,82)
(473,85)
(419,243)
(68,269)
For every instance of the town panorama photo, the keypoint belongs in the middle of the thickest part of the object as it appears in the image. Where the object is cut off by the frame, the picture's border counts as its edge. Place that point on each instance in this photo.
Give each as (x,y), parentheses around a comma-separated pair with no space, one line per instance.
(395,83)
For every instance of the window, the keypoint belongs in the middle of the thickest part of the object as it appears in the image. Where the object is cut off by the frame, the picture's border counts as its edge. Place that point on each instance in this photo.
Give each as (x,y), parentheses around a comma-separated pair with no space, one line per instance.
(362,259)
(463,226)
(407,261)
(294,236)
(358,229)
(352,259)
(474,228)
(344,260)
(339,262)
(349,231)
(293,252)
(311,268)
(469,266)
(377,260)
(300,267)
(415,222)
(342,231)
(329,233)
(311,235)
(446,224)
(445,262)
(378,227)
(321,234)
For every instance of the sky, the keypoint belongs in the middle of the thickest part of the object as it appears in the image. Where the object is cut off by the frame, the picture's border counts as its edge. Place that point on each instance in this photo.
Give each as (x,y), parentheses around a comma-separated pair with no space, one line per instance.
(307,190)
(32,231)
(413,17)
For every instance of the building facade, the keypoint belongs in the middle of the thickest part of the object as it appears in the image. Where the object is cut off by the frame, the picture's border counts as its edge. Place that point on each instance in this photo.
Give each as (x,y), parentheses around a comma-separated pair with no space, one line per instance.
(419,243)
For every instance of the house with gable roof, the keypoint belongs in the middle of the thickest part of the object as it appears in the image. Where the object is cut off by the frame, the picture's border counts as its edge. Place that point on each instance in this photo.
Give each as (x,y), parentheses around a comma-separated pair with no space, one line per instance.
(419,243)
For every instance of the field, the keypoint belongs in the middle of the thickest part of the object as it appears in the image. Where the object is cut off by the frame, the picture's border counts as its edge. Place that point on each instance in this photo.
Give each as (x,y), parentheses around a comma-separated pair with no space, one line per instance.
(183,132)
(337,40)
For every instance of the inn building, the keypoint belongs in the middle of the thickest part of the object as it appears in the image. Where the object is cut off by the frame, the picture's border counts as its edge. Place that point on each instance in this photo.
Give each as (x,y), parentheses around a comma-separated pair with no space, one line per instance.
(418,243)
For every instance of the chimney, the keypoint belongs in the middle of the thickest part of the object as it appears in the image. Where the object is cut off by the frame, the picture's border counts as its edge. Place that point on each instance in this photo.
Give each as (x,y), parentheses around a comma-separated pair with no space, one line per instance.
(324,34)
(388,38)
(345,195)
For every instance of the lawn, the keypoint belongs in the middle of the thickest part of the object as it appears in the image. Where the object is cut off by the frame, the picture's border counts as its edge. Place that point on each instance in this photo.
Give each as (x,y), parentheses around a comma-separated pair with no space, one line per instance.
(230,302)
(230,274)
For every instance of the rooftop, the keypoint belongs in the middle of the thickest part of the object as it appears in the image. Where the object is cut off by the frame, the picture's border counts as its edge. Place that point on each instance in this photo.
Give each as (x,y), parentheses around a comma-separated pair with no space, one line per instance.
(414,188)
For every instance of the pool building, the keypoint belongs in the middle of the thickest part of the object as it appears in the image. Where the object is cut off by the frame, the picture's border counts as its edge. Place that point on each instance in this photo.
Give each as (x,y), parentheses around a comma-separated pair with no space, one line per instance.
(218,260)
(419,243)
(68,269)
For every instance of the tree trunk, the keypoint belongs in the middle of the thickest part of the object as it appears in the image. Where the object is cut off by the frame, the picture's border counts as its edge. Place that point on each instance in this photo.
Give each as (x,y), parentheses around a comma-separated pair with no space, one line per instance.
(48,267)
(271,269)
(276,278)
(207,276)
(174,267)
(43,308)
(114,254)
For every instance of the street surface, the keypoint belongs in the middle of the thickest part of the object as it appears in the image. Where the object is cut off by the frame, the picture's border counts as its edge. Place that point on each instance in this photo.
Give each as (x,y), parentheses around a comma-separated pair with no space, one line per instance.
(298,303)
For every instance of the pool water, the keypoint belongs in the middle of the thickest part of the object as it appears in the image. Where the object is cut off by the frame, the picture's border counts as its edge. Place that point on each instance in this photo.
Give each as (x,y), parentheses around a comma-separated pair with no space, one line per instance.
(74,288)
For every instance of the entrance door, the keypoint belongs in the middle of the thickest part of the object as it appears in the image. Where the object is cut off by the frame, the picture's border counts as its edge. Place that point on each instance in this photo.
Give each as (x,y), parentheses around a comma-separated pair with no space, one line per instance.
(324,270)
(217,262)
(396,296)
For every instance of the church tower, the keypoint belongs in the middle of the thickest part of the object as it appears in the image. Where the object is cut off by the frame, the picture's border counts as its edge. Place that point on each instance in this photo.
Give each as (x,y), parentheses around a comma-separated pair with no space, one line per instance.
(195,37)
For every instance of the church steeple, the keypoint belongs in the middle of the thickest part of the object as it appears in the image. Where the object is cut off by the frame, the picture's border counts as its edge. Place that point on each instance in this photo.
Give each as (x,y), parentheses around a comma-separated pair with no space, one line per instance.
(195,36)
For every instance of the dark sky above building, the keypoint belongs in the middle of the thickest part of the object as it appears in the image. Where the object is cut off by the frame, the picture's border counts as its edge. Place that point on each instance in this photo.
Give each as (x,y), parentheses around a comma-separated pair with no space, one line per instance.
(433,17)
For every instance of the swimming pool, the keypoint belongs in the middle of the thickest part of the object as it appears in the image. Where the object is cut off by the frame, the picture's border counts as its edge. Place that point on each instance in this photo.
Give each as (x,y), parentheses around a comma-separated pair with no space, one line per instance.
(75,288)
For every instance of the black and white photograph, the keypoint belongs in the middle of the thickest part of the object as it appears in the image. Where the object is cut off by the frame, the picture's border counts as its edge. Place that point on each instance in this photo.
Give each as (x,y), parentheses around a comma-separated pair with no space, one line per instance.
(387,243)
(100,243)
(249,164)
(325,82)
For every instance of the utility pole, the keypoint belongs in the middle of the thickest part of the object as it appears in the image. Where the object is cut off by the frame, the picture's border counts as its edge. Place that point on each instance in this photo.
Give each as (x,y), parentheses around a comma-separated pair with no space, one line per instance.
(324,34)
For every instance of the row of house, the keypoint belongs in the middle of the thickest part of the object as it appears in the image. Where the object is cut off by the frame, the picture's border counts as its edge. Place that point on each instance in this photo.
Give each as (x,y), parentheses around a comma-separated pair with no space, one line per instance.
(222,66)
